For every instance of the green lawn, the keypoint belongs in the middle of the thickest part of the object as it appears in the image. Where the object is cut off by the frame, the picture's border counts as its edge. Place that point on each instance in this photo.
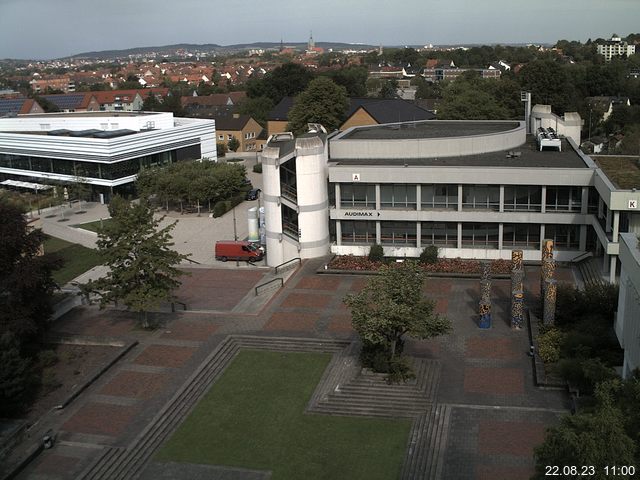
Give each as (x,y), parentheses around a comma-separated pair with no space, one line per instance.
(77,259)
(253,417)
(93,226)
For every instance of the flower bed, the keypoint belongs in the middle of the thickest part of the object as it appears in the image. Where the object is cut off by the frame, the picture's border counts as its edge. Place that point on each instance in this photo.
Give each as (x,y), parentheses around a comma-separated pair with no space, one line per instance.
(443,265)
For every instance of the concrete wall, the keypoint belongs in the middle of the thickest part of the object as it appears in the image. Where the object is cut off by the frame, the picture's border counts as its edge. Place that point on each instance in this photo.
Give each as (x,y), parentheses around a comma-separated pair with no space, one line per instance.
(569,125)
(85,121)
(430,147)
(627,323)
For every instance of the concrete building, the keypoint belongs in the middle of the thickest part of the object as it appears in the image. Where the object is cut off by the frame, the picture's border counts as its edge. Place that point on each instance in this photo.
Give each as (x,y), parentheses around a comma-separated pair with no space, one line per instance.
(104,150)
(475,189)
(627,324)
(615,47)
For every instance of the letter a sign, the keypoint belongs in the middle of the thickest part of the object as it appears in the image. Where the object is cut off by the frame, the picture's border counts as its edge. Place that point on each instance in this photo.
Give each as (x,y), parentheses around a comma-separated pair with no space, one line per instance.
(355,177)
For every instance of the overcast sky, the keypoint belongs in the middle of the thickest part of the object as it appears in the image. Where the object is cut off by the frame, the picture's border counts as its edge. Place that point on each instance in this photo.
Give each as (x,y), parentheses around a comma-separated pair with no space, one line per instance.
(56,28)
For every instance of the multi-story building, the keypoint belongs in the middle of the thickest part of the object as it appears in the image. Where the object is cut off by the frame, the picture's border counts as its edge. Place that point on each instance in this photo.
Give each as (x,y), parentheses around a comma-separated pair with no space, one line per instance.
(627,324)
(64,83)
(475,189)
(104,150)
(615,47)
(439,74)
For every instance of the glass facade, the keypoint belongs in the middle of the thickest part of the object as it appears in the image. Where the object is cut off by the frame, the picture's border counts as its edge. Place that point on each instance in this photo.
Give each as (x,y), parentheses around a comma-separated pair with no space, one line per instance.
(398,196)
(398,233)
(522,198)
(563,236)
(481,197)
(358,233)
(439,197)
(521,235)
(441,234)
(480,235)
(89,170)
(564,199)
(355,195)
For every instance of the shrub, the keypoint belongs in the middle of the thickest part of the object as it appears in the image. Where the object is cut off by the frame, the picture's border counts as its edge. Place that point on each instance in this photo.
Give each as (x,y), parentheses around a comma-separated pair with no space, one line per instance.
(47,358)
(584,374)
(400,370)
(220,208)
(429,255)
(257,168)
(376,253)
(49,381)
(549,345)
(235,201)
(221,149)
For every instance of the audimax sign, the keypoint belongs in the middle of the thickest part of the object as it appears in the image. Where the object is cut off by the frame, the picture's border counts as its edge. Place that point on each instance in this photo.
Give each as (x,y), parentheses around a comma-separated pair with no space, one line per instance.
(361,213)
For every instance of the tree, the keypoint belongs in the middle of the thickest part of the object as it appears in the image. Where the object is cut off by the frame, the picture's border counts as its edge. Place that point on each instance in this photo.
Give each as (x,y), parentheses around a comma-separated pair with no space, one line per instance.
(257,108)
(14,376)
(595,439)
(26,284)
(353,78)
(466,100)
(389,89)
(234,144)
(142,267)
(391,306)
(322,102)
(285,81)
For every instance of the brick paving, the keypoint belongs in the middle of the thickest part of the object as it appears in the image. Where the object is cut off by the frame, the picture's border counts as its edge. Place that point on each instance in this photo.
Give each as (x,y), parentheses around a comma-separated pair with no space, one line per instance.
(497,415)
(142,385)
(100,419)
(494,381)
(56,465)
(165,356)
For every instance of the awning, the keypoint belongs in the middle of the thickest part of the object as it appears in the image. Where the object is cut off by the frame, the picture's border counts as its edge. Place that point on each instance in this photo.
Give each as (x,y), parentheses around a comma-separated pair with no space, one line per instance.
(27,185)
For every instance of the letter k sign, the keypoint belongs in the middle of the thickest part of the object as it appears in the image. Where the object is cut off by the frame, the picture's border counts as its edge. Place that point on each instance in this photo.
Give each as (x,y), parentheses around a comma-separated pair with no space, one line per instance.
(633,203)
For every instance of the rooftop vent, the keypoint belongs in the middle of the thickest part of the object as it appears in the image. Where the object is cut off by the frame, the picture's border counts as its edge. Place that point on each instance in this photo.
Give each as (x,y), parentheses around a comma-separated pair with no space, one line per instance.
(548,138)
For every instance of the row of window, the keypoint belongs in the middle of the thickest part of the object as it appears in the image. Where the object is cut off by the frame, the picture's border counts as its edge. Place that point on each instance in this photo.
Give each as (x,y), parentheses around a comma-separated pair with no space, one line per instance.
(519,198)
(474,235)
(105,171)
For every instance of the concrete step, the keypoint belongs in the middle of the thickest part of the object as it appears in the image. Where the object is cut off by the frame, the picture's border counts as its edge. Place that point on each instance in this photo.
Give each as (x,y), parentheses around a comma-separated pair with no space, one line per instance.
(352,411)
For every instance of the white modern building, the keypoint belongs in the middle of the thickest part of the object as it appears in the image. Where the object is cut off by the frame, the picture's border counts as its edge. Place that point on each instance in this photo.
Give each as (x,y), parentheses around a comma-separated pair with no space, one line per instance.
(103,149)
(627,323)
(615,47)
(475,189)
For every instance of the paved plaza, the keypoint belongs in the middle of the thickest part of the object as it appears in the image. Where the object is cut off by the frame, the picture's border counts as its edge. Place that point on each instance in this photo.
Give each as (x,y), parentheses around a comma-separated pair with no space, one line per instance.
(495,414)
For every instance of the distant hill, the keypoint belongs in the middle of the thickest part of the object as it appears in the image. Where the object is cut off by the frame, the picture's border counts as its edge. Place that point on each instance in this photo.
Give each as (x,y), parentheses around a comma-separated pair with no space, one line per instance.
(211,48)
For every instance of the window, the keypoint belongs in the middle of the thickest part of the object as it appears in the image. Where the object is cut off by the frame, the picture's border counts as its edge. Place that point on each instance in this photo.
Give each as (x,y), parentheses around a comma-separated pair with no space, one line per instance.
(564,199)
(357,195)
(398,233)
(229,137)
(480,235)
(522,198)
(356,232)
(441,234)
(442,197)
(290,222)
(481,197)
(563,236)
(521,235)
(220,137)
(398,196)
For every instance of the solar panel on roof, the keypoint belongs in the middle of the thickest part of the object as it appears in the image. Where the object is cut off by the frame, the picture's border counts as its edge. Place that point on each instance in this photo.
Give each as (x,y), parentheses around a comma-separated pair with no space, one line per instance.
(11,105)
(65,102)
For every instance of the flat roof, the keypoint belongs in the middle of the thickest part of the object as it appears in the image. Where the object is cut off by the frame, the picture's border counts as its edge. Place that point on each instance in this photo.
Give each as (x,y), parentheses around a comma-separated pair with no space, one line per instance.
(624,172)
(525,156)
(88,114)
(429,129)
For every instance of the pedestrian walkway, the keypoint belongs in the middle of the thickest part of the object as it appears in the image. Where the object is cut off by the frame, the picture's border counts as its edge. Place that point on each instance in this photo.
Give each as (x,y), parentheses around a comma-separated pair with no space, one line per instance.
(477,413)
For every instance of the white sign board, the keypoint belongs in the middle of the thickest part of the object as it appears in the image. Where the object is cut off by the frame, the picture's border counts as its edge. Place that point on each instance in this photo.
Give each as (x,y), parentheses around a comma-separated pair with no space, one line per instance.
(355,177)
(633,204)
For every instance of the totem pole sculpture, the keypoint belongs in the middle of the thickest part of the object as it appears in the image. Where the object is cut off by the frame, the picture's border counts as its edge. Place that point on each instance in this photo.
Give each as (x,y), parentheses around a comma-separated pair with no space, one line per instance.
(549,312)
(548,286)
(517,289)
(546,269)
(485,295)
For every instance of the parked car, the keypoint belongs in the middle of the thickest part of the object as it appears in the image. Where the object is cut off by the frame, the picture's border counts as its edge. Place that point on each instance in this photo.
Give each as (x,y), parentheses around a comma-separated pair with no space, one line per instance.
(252,194)
(238,250)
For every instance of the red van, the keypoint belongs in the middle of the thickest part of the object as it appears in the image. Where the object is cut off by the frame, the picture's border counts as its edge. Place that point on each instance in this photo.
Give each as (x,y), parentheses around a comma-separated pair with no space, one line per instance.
(230,250)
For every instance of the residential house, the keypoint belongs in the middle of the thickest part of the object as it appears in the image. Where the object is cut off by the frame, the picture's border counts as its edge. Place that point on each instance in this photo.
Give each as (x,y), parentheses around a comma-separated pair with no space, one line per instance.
(63,83)
(605,105)
(615,47)
(74,102)
(242,127)
(210,106)
(11,107)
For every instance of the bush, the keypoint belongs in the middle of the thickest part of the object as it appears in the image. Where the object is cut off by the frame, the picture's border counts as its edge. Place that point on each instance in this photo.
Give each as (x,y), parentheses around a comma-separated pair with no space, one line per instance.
(549,344)
(221,149)
(257,168)
(429,255)
(400,370)
(584,374)
(220,208)
(47,358)
(49,381)
(376,253)
(235,201)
